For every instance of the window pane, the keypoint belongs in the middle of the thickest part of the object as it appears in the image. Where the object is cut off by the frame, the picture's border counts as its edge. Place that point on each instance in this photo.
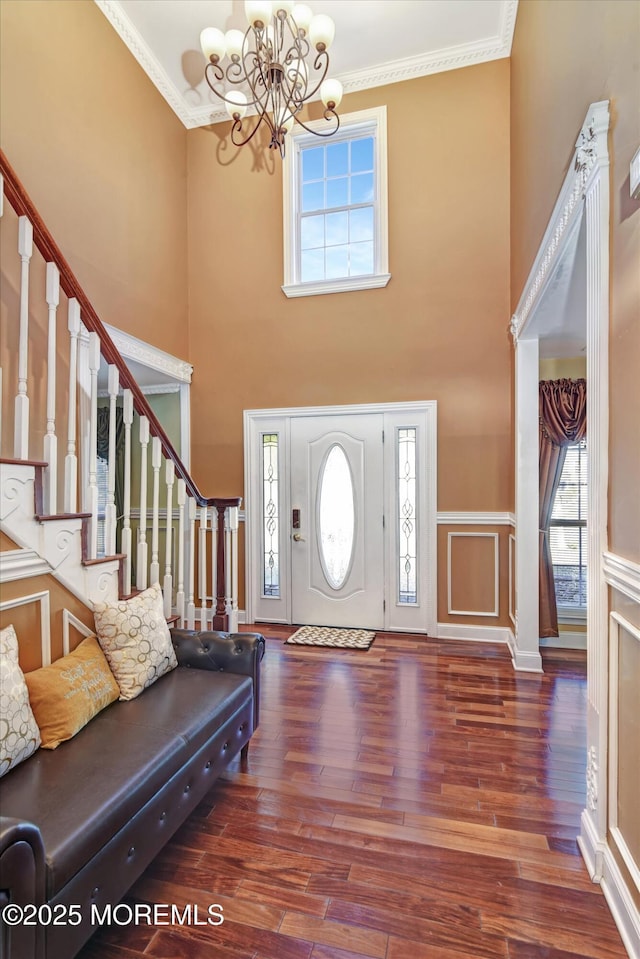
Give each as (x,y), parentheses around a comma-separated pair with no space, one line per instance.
(312,265)
(362,188)
(362,155)
(337,258)
(568,531)
(337,228)
(271,557)
(313,164)
(338,159)
(312,232)
(361,258)
(407,508)
(337,192)
(312,196)
(336,517)
(361,224)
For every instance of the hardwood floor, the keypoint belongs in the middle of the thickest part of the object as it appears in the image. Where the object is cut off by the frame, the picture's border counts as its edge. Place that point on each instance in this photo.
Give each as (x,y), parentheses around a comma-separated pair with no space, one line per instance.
(416,801)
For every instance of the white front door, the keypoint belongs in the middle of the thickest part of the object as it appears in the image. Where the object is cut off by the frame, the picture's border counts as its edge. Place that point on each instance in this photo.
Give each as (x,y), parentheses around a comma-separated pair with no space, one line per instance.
(336,517)
(341,516)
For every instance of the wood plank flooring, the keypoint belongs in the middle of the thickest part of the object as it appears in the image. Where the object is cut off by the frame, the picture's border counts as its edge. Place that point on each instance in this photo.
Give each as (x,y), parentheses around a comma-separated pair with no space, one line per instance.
(416,801)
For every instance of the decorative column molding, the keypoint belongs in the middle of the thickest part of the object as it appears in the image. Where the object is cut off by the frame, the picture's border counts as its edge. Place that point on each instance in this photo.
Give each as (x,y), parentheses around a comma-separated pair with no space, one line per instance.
(590,155)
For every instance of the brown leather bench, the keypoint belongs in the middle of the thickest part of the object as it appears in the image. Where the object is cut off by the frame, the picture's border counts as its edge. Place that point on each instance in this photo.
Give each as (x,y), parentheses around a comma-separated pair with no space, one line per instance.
(80,823)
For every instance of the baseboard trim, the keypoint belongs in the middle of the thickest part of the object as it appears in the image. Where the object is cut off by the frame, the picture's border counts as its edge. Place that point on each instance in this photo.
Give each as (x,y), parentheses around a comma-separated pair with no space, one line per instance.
(473,634)
(623,909)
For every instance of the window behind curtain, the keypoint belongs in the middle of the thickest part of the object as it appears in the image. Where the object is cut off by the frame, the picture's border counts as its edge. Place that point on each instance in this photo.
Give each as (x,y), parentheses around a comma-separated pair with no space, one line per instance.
(568,531)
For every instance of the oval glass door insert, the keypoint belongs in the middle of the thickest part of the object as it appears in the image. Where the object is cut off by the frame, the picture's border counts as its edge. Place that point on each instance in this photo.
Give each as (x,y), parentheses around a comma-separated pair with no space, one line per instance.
(336,517)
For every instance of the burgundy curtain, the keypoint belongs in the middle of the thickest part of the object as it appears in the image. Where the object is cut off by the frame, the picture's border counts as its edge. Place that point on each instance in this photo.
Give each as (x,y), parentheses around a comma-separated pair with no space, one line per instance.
(563,420)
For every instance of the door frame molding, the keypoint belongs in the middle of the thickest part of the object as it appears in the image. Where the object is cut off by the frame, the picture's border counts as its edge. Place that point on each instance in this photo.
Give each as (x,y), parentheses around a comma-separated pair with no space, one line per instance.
(584,194)
(252,420)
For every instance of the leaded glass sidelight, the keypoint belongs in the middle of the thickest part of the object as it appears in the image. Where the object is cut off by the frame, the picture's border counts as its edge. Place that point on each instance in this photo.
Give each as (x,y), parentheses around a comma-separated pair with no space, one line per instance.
(407,517)
(270,516)
(336,517)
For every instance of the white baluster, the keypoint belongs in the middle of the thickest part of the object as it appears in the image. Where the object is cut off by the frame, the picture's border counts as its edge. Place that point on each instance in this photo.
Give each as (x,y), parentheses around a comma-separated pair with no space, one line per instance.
(21,429)
(92,492)
(214,562)
(125,537)
(202,567)
(181,498)
(110,513)
(191,606)
(141,563)
(71,459)
(156,462)
(167,587)
(232,566)
(50,445)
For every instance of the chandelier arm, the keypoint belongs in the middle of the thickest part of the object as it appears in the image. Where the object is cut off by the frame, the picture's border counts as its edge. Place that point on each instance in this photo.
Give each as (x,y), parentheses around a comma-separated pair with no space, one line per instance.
(237,126)
(327,115)
(318,66)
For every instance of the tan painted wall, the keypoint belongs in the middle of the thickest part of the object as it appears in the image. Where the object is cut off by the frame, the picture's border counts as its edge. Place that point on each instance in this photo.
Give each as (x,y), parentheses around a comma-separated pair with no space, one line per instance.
(572,368)
(467,560)
(438,331)
(26,619)
(104,159)
(566,55)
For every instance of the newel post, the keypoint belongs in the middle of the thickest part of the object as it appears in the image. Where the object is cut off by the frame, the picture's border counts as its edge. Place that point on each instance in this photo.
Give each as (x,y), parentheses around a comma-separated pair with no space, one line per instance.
(223,561)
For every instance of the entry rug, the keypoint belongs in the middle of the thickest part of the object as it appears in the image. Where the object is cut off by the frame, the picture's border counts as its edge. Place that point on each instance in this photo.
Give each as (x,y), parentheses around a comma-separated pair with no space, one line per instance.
(328,636)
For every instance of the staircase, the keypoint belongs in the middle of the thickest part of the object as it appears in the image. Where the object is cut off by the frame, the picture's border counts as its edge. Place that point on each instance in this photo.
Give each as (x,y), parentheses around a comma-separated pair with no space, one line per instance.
(50,505)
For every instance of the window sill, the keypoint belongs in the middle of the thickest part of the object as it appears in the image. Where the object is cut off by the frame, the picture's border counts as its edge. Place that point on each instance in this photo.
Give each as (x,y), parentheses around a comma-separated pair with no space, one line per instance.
(373,282)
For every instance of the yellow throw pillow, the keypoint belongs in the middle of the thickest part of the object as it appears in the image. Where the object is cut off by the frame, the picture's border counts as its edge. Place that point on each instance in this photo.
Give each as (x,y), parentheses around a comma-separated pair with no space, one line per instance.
(136,640)
(19,733)
(70,692)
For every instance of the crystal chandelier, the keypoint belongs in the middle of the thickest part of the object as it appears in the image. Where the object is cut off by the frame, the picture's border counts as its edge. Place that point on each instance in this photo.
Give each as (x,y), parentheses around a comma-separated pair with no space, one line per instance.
(281,62)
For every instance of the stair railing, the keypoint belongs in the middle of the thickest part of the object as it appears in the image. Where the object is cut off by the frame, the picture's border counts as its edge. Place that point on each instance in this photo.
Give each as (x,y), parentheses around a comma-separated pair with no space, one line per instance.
(186,575)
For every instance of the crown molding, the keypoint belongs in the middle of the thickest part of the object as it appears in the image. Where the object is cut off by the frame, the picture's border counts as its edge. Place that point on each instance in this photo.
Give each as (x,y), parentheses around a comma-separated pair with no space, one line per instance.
(395,71)
(132,348)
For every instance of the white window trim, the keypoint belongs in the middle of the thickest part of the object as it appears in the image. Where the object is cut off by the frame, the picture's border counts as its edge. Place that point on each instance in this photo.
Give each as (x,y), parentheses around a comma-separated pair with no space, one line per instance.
(349,124)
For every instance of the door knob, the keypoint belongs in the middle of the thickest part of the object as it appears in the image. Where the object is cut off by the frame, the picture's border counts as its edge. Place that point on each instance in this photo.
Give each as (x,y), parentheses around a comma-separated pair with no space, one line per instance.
(298,538)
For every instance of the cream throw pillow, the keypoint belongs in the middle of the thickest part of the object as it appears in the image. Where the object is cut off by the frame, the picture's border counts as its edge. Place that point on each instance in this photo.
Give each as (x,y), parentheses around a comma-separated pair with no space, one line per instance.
(135,638)
(19,733)
(70,692)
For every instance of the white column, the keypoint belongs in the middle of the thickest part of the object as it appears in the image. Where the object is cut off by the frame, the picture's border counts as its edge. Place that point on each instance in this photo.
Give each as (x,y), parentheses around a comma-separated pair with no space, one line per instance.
(125,539)
(156,461)
(141,562)
(71,459)
(202,567)
(21,430)
(526,655)
(232,562)
(50,445)
(214,562)
(110,516)
(191,606)
(181,498)
(92,491)
(167,587)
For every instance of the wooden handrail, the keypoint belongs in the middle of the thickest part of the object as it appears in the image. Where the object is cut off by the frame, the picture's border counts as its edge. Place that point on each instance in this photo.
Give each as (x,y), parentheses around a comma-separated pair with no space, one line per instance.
(23,206)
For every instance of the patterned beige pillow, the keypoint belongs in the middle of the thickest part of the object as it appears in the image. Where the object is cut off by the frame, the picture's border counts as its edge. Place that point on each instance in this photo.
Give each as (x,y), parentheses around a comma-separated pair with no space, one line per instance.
(135,639)
(19,733)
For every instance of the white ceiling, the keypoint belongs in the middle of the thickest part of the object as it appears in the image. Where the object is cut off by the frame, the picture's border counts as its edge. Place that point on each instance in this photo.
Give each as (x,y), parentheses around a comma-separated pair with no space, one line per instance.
(377,41)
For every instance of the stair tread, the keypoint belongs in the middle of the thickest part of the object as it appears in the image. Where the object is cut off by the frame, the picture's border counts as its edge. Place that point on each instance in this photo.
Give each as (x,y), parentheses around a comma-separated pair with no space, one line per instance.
(9,461)
(46,517)
(102,559)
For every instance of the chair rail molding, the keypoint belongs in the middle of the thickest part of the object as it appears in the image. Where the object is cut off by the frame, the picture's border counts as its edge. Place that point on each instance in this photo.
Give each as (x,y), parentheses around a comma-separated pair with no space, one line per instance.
(21,564)
(622,574)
